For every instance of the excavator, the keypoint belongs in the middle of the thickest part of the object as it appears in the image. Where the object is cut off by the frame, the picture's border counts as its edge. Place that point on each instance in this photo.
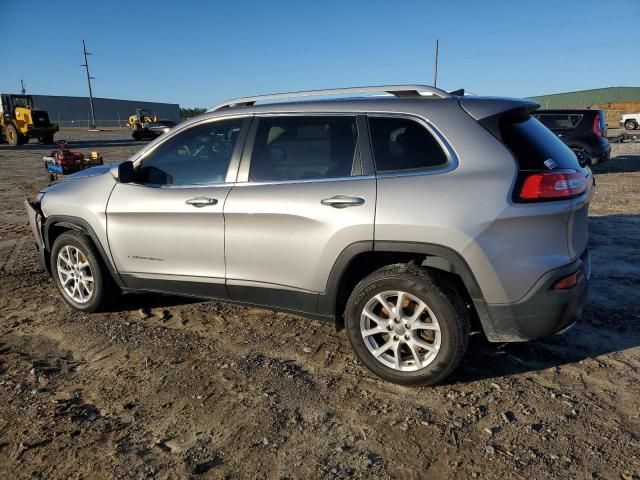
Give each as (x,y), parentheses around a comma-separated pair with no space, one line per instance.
(20,121)
(142,117)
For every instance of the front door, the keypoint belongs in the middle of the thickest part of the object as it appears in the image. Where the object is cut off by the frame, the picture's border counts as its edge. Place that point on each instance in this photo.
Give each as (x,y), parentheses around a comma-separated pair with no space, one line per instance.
(303,201)
(166,230)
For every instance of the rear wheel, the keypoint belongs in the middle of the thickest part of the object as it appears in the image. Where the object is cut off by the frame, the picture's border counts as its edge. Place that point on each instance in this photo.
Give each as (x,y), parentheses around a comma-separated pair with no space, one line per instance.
(630,125)
(79,273)
(46,140)
(407,326)
(583,157)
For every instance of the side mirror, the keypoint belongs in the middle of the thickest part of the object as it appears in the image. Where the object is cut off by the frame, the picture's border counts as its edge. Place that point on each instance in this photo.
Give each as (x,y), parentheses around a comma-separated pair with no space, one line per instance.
(123,172)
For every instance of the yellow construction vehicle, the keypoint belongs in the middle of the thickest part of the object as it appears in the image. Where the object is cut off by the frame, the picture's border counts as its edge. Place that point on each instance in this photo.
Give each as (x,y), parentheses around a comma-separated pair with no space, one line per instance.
(141,118)
(19,121)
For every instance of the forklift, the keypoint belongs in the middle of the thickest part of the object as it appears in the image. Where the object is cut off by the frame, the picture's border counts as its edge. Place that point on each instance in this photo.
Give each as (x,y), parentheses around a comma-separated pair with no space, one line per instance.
(19,121)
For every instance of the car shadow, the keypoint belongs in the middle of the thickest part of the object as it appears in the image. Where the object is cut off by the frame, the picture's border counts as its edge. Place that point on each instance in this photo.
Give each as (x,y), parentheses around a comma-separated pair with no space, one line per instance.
(594,335)
(619,164)
(148,300)
(609,324)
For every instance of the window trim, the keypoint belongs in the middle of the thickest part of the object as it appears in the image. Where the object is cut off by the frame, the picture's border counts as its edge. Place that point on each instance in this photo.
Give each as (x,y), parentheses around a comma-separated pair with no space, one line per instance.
(234,161)
(452,157)
(357,167)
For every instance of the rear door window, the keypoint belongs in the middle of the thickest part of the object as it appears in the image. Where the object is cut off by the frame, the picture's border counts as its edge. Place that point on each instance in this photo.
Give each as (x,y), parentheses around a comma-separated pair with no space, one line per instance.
(533,144)
(303,148)
(402,144)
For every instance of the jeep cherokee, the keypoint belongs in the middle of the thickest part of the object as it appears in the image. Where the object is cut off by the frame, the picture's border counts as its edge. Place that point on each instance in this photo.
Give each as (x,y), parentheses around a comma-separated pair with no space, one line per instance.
(410,216)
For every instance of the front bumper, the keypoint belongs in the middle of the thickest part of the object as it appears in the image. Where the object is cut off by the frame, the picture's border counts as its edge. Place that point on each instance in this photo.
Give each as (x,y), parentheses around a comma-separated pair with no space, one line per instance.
(543,311)
(35,221)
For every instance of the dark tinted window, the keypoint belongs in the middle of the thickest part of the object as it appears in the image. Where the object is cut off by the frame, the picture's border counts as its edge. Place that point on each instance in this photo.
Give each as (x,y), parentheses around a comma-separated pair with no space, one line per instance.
(403,144)
(533,144)
(563,121)
(197,156)
(301,148)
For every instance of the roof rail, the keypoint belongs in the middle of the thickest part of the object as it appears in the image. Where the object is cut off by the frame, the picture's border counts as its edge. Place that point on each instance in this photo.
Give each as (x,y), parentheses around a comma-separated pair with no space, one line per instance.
(397,90)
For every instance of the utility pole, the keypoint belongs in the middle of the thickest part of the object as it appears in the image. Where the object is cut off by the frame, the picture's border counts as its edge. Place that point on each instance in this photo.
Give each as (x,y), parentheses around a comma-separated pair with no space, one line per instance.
(89,78)
(435,66)
(23,90)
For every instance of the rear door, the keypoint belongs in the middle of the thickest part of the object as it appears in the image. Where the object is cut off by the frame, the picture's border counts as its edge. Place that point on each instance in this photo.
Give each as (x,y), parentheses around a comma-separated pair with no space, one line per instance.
(166,230)
(301,199)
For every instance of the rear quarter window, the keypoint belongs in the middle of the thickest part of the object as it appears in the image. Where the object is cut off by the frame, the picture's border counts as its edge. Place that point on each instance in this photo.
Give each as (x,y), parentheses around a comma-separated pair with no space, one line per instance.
(533,144)
(402,144)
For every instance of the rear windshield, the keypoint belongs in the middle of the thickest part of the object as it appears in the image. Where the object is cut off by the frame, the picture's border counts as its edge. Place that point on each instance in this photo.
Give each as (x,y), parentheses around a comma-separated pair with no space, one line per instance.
(533,144)
(565,121)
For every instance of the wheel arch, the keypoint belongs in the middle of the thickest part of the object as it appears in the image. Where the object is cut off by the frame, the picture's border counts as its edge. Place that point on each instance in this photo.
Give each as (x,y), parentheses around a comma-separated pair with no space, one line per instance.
(56,225)
(360,259)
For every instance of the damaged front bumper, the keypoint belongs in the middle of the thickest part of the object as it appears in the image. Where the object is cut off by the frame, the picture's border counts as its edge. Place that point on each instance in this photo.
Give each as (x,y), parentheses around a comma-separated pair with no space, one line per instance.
(36,221)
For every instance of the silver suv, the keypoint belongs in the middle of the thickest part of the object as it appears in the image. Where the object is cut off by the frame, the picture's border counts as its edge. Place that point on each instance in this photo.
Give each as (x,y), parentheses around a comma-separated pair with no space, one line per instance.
(407,215)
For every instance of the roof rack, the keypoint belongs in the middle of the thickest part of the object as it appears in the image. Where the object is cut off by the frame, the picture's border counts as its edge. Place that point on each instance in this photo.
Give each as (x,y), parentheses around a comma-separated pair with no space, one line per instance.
(397,90)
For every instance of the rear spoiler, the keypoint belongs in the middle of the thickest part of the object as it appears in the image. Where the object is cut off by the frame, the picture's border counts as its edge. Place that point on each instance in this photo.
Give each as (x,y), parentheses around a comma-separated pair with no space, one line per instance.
(488,111)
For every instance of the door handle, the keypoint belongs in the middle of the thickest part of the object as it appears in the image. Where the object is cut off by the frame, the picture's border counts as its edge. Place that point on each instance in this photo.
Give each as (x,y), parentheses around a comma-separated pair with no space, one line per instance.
(200,202)
(342,201)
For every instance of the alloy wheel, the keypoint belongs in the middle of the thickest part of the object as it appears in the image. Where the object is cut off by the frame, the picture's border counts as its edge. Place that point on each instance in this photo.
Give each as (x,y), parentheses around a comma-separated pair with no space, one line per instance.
(74,273)
(400,330)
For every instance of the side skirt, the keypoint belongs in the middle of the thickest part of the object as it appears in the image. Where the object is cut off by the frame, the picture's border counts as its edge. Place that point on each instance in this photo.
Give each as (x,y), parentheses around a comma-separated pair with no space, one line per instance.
(279,300)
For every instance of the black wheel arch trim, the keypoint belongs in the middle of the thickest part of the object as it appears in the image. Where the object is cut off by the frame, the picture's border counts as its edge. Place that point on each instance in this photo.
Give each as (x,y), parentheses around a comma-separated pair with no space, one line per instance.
(80,225)
(327,300)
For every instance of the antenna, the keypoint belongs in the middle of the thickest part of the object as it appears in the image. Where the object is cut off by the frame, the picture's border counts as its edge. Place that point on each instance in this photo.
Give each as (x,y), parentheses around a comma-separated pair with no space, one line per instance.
(435,65)
(23,90)
(89,78)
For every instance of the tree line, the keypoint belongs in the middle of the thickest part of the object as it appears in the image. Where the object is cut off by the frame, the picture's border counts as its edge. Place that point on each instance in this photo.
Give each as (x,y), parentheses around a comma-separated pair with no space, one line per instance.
(191,112)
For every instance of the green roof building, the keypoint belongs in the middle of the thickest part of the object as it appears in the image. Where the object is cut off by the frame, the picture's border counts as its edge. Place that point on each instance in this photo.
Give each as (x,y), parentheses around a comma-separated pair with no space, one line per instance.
(587,98)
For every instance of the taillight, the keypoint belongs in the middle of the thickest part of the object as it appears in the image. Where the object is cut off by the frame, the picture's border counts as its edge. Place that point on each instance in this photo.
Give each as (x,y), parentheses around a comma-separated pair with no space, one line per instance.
(596,126)
(552,186)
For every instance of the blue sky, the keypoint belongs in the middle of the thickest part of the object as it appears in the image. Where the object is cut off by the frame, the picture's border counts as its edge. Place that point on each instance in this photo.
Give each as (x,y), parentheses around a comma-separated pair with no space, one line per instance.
(197,53)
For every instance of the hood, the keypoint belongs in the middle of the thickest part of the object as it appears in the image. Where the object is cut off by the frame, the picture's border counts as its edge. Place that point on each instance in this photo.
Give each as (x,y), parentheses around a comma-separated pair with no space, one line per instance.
(91,171)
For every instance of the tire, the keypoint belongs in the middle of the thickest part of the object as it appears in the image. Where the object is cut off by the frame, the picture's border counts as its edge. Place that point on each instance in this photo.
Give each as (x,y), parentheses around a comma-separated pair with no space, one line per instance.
(12,136)
(445,310)
(630,125)
(46,140)
(102,287)
(583,157)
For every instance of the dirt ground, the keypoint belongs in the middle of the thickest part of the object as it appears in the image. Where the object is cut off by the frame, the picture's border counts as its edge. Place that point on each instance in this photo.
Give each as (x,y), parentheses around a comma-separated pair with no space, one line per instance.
(162,387)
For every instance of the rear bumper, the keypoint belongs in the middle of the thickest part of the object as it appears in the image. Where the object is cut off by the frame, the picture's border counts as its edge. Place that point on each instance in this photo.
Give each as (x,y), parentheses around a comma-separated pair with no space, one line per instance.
(35,221)
(599,153)
(543,311)
(604,155)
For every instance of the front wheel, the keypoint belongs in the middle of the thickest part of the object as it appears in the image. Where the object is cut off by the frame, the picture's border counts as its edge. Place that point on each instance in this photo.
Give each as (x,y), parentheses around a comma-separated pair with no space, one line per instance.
(12,135)
(407,325)
(630,125)
(79,273)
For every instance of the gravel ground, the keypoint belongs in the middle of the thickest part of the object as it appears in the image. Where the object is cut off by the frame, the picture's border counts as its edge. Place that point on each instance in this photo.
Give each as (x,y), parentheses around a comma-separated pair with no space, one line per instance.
(162,387)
